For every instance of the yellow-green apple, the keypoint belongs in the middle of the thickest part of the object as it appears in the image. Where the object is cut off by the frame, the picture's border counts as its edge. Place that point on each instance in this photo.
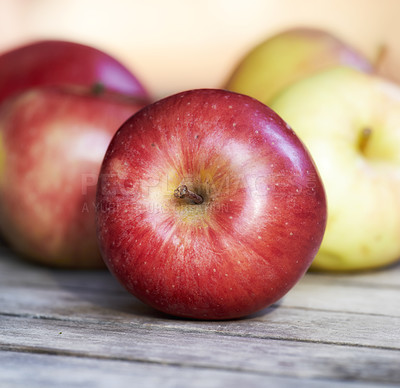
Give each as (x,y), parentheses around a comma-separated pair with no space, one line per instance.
(52,143)
(289,56)
(350,122)
(55,63)
(208,205)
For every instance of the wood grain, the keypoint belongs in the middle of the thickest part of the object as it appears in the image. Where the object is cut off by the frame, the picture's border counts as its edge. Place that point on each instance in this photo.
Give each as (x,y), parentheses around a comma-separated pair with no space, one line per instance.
(66,328)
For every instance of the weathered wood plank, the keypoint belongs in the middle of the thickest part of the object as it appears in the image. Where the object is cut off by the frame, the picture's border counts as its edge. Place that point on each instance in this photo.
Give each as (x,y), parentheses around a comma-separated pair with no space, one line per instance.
(15,271)
(21,370)
(200,349)
(383,277)
(30,273)
(328,329)
(314,291)
(281,322)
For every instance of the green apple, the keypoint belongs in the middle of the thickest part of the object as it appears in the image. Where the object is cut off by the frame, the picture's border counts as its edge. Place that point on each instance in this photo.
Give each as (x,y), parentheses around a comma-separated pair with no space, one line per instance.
(350,122)
(289,56)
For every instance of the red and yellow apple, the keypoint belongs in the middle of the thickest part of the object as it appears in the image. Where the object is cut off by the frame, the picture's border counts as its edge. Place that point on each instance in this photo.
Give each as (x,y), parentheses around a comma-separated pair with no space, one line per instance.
(289,56)
(52,143)
(350,122)
(208,205)
(55,63)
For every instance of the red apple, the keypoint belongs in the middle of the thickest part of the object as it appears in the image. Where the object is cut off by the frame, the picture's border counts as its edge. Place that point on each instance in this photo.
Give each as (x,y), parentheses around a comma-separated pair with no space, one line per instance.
(52,143)
(53,63)
(208,205)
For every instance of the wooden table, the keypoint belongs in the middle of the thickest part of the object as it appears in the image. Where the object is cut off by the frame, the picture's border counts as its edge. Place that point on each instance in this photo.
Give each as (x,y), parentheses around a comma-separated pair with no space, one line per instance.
(82,329)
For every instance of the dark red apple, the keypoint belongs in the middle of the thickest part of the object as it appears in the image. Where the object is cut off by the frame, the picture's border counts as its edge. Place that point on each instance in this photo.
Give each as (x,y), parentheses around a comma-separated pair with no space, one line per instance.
(54,63)
(52,143)
(208,205)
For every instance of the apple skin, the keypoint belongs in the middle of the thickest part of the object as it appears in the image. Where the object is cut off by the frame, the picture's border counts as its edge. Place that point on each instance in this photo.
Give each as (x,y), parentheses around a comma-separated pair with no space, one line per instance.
(331,111)
(56,63)
(248,243)
(289,56)
(52,143)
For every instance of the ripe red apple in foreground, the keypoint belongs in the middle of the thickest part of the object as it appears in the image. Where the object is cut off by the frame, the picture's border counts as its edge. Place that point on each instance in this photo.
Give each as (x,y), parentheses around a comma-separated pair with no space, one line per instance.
(52,143)
(208,205)
(54,63)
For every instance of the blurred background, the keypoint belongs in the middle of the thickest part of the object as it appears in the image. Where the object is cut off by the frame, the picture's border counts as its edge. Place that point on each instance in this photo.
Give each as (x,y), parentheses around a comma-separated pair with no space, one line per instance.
(173,45)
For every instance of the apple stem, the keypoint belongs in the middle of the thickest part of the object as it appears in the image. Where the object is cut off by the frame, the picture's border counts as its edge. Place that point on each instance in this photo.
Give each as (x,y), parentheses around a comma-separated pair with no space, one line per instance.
(183,192)
(380,57)
(98,88)
(364,138)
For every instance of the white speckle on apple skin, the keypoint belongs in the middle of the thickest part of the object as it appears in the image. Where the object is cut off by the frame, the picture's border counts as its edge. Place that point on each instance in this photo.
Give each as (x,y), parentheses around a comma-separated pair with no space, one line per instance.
(176,240)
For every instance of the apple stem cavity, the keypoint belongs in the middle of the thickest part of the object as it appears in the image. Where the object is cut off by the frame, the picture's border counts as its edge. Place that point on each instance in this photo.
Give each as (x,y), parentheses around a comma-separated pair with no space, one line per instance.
(183,192)
(364,138)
